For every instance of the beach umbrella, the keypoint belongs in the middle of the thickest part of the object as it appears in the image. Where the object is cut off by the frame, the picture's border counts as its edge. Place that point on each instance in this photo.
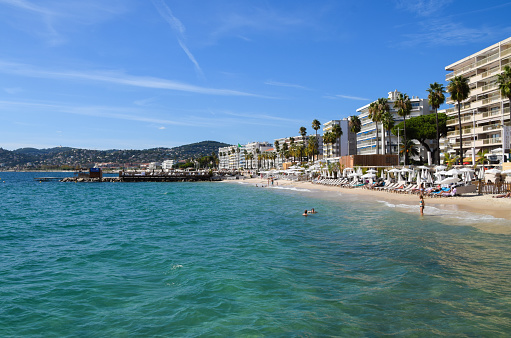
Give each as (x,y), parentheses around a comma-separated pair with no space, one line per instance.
(454,171)
(440,173)
(440,167)
(372,171)
(368,175)
(493,171)
(449,180)
(506,172)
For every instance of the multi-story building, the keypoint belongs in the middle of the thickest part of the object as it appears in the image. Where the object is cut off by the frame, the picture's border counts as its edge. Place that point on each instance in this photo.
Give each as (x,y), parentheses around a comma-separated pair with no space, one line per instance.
(167,164)
(366,138)
(297,140)
(347,144)
(485,114)
(236,156)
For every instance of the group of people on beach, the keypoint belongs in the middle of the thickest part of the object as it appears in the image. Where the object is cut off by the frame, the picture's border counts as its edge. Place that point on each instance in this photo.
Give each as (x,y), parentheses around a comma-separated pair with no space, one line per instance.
(307,212)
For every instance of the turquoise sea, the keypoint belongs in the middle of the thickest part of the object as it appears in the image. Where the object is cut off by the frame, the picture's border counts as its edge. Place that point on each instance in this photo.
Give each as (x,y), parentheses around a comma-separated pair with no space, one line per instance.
(233,260)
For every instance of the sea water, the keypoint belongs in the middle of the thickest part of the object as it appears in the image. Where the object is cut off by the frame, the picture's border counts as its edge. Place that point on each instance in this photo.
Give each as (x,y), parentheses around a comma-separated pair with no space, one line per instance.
(220,259)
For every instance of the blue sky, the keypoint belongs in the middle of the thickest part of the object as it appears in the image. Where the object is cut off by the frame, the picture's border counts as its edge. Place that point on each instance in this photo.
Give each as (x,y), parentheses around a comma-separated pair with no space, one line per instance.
(137,74)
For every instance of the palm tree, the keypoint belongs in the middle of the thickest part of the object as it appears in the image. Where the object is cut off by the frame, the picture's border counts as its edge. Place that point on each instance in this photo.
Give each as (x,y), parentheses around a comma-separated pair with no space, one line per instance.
(316,125)
(408,147)
(388,123)
(258,156)
(312,146)
(277,146)
(337,131)
(374,115)
(504,82)
(404,107)
(303,133)
(436,98)
(285,151)
(355,126)
(292,147)
(459,89)
(328,138)
(250,157)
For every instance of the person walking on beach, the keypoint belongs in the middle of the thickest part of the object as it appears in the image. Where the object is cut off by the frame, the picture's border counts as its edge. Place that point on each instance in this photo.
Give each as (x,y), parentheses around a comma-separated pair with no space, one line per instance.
(421,204)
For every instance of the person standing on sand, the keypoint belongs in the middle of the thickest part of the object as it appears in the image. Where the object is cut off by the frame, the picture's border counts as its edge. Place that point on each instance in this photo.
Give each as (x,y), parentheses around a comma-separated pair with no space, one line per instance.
(421,204)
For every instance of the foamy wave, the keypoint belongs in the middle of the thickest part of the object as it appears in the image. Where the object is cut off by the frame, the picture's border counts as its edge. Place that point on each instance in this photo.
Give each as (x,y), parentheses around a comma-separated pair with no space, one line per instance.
(289,188)
(465,216)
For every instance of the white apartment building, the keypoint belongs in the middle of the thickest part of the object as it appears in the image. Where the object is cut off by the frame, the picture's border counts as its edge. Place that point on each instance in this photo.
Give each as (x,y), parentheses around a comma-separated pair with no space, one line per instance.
(485,114)
(234,157)
(167,164)
(347,144)
(297,140)
(366,138)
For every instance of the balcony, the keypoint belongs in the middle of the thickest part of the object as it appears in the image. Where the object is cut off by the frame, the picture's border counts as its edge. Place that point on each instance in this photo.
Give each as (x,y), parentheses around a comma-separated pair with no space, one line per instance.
(464,119)
(505,52)
(490,72)
(488,141)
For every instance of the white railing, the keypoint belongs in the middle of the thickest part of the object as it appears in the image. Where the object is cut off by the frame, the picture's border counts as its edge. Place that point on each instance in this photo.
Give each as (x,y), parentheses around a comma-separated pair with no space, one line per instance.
(492,140)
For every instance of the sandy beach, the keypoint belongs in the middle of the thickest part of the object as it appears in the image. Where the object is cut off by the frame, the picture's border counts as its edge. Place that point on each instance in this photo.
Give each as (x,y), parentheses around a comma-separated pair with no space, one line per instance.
(480,204)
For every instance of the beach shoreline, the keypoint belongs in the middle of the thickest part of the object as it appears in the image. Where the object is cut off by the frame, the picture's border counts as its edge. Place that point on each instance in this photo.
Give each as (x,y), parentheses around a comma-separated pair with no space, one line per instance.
(472,203)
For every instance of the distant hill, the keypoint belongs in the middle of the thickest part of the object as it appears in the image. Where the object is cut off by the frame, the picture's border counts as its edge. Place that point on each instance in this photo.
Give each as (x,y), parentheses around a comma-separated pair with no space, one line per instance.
(69,158)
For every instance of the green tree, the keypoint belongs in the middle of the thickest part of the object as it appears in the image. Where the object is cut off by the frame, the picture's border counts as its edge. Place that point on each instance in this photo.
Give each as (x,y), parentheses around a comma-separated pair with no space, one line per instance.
(388,123)
(355,126)
(285,150)
(328,138)
(504,82)
(303,133)
(337,131)
(312,146)
(404,107)
(316,125)
(277,147)
(408,149)
(423,128)
(459,89)
(374,115)
(436,98)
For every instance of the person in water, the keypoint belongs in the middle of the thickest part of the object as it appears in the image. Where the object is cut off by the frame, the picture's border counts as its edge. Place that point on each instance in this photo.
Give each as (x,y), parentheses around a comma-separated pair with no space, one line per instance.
(312,211)
(421,204)
(305,213)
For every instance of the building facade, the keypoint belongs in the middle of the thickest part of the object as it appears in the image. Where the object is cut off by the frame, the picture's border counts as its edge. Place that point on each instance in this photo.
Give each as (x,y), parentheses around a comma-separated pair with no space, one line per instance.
(348,140)
(366,138)
(485,114)
(246,156)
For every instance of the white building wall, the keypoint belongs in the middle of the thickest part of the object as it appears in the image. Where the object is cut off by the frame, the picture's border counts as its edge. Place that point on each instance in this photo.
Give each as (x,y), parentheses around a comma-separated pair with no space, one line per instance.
(366,138)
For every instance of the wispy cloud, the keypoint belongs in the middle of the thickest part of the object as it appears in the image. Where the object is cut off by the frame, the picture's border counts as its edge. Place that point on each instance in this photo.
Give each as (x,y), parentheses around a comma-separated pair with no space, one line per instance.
(348,97)
(265,117)
(28,6)
(179,29)
(422,7)
(116,78)
(438,33)
(48,21)
(13,91)
(282,84)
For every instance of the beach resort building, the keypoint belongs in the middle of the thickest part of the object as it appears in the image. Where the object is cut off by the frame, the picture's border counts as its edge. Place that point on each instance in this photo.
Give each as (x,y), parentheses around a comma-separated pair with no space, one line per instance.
(237,156)
(366,138)
(485,114)
(295,142)
(348,140)
(167,164)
